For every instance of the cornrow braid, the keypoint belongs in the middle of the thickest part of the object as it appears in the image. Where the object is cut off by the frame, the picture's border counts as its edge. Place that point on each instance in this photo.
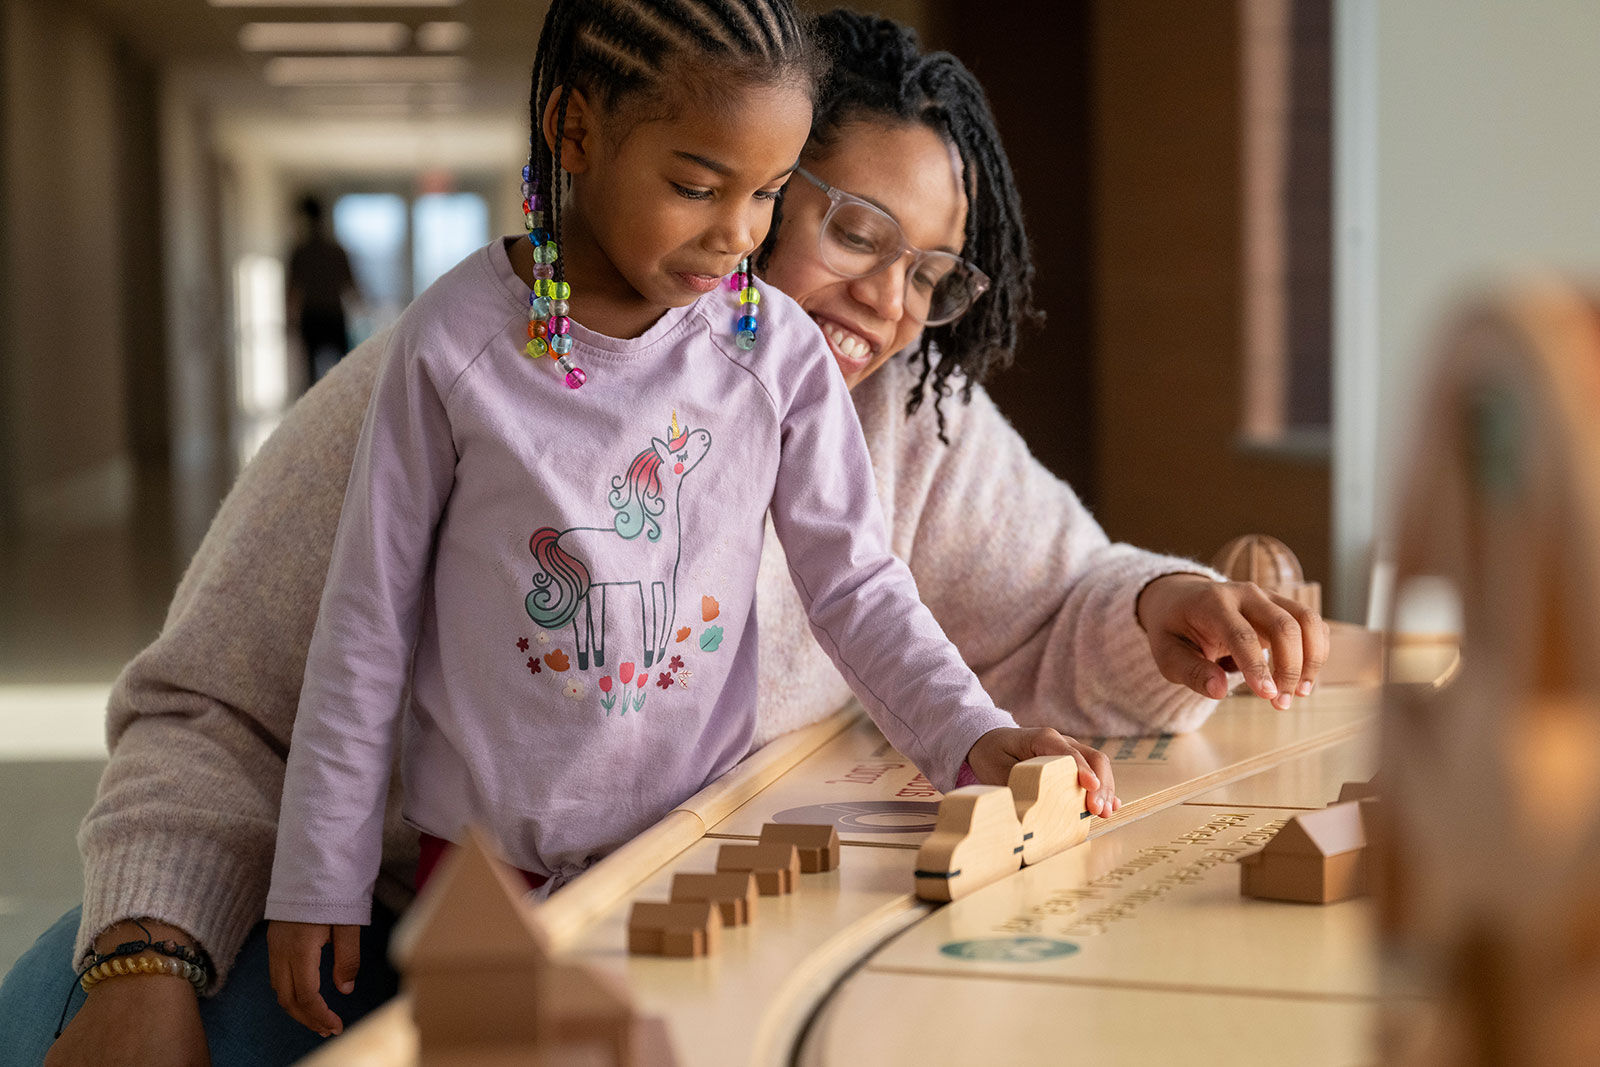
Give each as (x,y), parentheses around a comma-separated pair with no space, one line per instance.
(618,51)
(880,72)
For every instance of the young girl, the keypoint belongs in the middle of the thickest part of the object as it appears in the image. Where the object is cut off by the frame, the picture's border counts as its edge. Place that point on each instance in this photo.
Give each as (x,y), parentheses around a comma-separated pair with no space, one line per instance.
(559,556)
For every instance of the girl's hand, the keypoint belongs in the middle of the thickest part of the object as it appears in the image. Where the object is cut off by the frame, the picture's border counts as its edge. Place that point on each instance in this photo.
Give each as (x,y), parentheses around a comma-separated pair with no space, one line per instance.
(134,1019)
(997,751)
(1200,629)
(294,953)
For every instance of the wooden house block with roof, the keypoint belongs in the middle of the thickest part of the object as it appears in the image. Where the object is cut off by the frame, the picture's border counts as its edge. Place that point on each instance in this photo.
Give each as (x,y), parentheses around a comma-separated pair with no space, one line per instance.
(776,866)
(818,843)
(1319,857)
(682,928)
(732,891)
(485,990)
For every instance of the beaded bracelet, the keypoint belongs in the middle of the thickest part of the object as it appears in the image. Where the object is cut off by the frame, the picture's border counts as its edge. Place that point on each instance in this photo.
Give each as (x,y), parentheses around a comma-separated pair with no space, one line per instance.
(180,961)
(114,968)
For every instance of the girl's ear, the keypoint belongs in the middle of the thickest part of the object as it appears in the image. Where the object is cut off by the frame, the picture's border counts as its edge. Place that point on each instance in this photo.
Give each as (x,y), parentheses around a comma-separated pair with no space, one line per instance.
(579,138)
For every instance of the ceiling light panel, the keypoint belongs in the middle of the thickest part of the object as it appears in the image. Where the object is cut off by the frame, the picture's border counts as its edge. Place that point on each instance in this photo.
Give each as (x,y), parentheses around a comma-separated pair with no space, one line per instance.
(325,70)
(324,36)
(322,4)
(442,36)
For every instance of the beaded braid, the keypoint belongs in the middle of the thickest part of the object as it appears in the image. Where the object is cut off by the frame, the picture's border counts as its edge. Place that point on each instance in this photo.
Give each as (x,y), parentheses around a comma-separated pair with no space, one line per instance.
(880,72)
(615,51)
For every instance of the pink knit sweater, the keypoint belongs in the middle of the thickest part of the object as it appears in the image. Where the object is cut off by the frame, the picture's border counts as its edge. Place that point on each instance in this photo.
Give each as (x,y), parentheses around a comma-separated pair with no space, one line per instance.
(1017,572)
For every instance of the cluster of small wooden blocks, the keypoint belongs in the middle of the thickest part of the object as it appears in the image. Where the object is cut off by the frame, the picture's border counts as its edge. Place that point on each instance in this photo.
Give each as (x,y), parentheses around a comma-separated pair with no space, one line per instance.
(985,832)
(691,923)
(1319,857)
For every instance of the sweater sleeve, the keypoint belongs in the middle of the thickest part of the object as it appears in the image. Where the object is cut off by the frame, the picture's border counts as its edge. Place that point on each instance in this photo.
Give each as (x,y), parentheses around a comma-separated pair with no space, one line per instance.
(330,830)
(860,600)
(1026,583)
(198,723)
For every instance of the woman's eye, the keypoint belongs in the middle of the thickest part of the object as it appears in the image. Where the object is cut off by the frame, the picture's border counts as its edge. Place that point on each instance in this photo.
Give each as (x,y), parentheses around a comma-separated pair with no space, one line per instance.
(769,194)
(691,193)
(860,241)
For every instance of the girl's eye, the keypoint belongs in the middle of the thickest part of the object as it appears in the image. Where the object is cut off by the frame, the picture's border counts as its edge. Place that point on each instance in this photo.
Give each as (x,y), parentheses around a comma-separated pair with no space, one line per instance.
(769,194)
(691,193)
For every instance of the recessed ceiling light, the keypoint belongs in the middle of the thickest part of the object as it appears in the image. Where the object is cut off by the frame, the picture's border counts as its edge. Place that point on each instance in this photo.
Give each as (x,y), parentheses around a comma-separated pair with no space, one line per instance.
(311,70)
(442,36)
(324,36)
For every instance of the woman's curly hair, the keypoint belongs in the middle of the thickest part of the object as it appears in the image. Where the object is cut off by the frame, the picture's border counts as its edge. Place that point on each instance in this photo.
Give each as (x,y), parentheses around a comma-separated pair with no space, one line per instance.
(880,72)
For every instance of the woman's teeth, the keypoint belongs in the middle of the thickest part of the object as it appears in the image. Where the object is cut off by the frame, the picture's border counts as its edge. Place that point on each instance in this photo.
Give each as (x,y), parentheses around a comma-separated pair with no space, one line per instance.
(848,344)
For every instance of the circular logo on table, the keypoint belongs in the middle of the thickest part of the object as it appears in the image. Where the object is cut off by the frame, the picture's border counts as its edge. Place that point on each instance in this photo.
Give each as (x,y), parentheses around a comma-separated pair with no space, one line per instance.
(1009,949)
(868,816)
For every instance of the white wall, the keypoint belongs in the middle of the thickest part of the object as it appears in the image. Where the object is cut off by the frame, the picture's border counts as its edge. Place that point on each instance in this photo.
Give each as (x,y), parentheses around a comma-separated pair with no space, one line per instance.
(1482,143)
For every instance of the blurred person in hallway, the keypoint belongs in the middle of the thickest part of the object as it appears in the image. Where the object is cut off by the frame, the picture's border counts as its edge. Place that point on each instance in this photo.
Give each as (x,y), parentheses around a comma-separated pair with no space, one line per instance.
(319,282)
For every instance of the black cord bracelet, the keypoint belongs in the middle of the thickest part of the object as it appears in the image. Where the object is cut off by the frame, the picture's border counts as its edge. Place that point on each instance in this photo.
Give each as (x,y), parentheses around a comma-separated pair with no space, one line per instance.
(133,948)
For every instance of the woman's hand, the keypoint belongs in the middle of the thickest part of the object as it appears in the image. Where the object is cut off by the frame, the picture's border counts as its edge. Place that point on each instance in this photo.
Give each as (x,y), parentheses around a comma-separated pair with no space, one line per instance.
(294,954)
(142,1018)
(1200,629)
(997,751)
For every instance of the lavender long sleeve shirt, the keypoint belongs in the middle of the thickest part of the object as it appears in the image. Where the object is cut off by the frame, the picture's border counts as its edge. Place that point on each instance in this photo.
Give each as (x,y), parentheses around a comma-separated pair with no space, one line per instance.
(567,580)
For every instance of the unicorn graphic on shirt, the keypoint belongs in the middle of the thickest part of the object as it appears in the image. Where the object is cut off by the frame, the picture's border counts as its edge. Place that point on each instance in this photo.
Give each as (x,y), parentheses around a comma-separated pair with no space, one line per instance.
(580,567)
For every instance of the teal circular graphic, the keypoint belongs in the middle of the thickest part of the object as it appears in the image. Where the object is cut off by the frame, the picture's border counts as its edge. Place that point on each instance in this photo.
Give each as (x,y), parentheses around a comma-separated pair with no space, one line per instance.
(1009,949)
(868,816)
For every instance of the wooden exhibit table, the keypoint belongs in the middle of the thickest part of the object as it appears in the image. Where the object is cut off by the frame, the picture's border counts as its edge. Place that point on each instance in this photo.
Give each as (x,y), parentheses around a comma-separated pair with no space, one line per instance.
(1134,947)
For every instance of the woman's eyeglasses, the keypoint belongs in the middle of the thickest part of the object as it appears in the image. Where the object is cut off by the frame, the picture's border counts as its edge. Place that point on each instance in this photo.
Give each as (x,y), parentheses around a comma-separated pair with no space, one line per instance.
(859,238)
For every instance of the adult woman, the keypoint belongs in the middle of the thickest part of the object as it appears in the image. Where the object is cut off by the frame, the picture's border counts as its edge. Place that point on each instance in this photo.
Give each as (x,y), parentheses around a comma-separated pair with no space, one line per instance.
(904,159)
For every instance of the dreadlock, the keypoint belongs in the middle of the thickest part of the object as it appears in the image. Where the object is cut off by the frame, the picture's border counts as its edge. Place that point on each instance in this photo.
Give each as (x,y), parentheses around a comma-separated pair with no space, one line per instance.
(880,72)
(617,51)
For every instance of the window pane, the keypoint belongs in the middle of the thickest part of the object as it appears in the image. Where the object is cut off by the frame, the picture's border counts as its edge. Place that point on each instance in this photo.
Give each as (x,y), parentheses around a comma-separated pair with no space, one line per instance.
(372,229)
(447,227)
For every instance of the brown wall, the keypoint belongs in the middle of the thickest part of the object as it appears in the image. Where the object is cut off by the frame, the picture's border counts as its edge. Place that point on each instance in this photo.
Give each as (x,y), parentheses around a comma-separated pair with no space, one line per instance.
(63,349)
(81,383)
(1034,63)
(1168,298)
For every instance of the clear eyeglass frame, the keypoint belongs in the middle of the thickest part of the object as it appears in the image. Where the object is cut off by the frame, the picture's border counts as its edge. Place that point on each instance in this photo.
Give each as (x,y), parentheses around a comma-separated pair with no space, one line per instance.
(959,284)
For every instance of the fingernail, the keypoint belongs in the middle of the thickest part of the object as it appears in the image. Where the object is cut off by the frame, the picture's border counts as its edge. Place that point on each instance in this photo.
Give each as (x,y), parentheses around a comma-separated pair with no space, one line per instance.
(1282,702)
(1305,689)
(1268,689)
(347,987)
(1216,689)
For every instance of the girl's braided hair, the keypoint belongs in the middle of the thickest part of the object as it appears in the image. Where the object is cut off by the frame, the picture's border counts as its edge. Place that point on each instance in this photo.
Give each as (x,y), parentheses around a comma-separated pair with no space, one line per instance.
(880,72)
(648,53)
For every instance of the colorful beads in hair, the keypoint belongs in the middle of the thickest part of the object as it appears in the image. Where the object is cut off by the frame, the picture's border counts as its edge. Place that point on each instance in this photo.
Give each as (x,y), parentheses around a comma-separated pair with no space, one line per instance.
(744,324)
(549,327)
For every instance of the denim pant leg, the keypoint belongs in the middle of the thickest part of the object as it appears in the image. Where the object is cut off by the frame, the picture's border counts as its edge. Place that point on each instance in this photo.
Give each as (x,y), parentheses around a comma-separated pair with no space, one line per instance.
(243,1023)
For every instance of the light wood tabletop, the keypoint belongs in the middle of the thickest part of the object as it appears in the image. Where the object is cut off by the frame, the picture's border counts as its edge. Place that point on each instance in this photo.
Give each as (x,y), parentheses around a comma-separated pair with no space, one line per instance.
(1134,947)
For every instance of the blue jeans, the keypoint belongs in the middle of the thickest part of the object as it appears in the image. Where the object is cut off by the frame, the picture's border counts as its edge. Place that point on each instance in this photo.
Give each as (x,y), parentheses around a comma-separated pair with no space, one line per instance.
(244,1025)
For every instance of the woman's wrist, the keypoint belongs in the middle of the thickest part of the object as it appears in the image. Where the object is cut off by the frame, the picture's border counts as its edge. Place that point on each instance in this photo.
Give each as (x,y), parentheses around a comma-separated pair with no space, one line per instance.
(137,946)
